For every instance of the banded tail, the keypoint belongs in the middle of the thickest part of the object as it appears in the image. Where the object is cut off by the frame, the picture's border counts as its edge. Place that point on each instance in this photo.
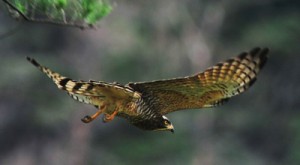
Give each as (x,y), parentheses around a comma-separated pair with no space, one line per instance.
(74,88)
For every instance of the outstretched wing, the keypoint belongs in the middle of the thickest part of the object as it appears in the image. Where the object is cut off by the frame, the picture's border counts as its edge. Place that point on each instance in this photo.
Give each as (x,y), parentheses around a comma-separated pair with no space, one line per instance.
(207,89)
(84,91)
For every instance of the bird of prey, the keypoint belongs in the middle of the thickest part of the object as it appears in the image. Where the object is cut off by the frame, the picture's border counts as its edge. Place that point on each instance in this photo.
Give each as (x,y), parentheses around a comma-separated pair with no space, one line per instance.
(145,104)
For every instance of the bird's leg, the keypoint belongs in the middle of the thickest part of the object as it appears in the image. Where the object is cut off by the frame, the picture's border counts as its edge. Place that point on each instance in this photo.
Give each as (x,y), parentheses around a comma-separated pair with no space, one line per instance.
(88,118)
(109,117)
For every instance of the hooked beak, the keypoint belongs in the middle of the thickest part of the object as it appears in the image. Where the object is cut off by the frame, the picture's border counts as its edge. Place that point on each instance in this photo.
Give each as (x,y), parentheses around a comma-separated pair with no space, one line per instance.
(171,128)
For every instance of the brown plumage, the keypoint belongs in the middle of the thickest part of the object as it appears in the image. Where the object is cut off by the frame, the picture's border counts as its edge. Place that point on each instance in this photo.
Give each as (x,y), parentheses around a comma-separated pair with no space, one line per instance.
(144,104)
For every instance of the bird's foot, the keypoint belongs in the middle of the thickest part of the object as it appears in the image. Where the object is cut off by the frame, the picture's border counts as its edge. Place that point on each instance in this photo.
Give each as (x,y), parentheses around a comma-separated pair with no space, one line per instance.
(88,118)
(109,117)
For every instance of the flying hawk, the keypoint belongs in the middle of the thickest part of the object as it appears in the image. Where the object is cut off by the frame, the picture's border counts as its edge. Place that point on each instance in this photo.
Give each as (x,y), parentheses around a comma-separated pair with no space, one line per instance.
(145,104)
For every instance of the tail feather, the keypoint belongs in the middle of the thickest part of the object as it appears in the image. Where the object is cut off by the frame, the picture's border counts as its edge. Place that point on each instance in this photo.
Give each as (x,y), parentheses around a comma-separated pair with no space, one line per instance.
(59,80)
(65,83)
(80,91)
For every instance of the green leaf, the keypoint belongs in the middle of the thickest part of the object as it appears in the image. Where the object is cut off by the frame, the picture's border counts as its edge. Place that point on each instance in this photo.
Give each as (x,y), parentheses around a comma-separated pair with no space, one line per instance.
(21,7)
(78,13)
(59,4)
(94,10)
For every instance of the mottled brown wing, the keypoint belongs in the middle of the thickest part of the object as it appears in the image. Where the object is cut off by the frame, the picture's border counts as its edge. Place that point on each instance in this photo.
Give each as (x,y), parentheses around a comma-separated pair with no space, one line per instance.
(207,89)
(83,91)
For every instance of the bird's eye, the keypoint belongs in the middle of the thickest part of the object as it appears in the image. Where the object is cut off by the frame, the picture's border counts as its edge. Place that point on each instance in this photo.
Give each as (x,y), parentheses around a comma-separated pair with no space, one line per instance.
(166,122)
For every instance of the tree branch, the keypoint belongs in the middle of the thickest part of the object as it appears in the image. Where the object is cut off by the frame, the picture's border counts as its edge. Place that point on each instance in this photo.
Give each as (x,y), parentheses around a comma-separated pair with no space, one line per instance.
(16,9)
(44,21)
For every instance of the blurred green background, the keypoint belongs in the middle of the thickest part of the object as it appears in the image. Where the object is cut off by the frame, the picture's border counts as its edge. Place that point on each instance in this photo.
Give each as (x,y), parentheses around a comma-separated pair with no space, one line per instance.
(149,40)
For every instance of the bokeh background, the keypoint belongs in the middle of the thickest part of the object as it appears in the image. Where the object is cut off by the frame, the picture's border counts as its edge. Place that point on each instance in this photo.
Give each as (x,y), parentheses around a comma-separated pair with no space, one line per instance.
(149,40)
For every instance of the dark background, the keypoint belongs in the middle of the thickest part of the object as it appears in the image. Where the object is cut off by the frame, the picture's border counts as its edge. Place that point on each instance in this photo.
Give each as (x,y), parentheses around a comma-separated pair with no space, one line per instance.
(149,40)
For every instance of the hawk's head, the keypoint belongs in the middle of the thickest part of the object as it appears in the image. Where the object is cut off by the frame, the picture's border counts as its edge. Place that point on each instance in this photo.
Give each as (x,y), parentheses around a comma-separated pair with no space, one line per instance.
(158,123)
(165,125)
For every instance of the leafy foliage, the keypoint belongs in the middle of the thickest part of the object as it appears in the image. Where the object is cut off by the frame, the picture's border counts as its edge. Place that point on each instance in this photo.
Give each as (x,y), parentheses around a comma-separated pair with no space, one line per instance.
(79,13)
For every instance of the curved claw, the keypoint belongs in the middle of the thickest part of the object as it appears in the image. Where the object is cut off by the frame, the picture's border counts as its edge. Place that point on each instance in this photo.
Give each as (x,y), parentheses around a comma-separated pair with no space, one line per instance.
(109,117)
(87,119)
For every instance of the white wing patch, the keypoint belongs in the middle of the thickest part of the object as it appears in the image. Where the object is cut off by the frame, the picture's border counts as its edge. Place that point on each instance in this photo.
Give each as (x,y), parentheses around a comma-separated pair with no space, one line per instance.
(81,98)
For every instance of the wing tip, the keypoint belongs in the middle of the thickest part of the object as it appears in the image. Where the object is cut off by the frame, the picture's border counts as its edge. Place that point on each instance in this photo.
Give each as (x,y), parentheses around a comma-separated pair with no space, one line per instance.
(264,57)
(262,54)
(257,53)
